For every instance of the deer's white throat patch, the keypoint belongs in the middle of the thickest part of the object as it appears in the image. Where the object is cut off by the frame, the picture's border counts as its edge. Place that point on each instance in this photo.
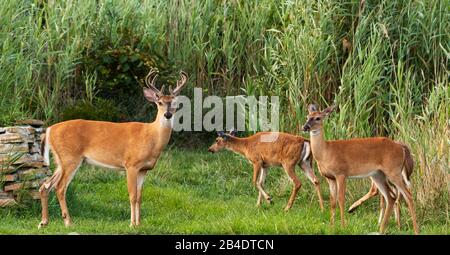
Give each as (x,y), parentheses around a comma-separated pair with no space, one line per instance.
(167,123)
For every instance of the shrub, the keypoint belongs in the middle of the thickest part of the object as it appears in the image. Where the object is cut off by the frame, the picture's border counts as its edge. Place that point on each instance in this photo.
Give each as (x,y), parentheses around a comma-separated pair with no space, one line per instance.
(100,109)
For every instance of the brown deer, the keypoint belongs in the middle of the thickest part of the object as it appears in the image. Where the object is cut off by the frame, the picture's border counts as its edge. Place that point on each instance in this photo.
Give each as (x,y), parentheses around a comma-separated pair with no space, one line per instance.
(132,146)
(266,149)
(379,158)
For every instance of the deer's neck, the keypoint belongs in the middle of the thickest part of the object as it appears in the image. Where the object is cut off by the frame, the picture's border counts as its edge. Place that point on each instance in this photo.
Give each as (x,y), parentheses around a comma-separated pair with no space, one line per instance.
(161,130)
(318,144)
(238,145)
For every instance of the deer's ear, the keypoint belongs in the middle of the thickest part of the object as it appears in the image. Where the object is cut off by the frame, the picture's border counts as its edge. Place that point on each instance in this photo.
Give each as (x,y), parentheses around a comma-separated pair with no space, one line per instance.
(223,135)
(312,108)
(329,110)
(150,95)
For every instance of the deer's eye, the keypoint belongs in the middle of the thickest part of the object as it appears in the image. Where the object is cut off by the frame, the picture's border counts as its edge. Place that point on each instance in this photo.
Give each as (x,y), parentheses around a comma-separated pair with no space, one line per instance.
(318,118)
(159,103)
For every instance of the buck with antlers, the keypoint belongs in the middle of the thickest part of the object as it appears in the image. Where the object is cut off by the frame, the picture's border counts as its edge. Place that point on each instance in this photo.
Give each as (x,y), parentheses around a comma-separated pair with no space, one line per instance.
(132,146)
(266,149)
(379,158)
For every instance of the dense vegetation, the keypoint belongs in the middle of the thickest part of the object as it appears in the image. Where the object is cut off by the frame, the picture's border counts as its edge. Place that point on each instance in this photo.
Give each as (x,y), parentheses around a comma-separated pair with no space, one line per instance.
(384,63)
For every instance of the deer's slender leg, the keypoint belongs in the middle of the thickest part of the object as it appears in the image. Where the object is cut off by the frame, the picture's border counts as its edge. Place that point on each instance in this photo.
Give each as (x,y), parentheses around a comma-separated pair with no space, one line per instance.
(306,167)
(140,183)
(44,190)
(69,168)
(261,181)
(333,193)
(380,180)
(397,180)
(257,168)
(372,192)
(397,208)
(43,193)
(46,187)
(258,201)
(256,172)
(340,179)
(382,209)
(132,192)
(290,171)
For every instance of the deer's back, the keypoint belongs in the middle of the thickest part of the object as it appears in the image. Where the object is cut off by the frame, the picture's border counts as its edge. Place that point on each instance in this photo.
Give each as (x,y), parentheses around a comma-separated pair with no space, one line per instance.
(355,155)
(275,148)
(99,140)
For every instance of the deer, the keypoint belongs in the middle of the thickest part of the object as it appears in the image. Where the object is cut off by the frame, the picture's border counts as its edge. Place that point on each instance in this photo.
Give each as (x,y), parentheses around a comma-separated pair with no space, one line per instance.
(131,146)
(379,158)
(281,149)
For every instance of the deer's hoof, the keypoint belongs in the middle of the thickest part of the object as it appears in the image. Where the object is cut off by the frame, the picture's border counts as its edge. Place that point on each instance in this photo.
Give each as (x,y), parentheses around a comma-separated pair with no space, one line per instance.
(134,225)
(352,208)
(42,224)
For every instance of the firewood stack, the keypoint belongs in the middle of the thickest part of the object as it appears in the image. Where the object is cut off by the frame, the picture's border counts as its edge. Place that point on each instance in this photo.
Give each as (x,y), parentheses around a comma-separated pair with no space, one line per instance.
(22,169)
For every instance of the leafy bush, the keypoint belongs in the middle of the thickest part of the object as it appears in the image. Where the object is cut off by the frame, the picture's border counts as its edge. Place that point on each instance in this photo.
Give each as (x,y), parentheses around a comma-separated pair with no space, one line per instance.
(101,109)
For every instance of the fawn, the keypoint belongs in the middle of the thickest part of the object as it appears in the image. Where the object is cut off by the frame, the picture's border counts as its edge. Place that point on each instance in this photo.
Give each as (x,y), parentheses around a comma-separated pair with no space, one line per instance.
(284,150)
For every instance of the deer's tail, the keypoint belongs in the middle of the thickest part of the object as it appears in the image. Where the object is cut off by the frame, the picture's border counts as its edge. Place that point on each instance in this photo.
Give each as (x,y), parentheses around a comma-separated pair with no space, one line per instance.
(306,155)
(45,147)
(408,164)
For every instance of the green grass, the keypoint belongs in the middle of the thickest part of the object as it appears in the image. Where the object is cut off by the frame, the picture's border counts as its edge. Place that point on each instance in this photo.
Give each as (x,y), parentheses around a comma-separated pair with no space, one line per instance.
(194,192)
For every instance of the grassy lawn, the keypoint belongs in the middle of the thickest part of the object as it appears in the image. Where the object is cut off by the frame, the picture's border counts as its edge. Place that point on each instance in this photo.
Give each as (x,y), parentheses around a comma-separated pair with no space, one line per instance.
(194,192)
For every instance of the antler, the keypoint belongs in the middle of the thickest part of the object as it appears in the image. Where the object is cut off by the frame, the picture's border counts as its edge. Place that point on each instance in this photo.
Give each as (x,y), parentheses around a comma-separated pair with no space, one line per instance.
(180,83)
(150,82)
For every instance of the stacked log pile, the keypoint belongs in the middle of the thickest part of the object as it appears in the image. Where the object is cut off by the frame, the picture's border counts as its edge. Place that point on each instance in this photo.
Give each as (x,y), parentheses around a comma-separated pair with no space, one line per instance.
(22,169)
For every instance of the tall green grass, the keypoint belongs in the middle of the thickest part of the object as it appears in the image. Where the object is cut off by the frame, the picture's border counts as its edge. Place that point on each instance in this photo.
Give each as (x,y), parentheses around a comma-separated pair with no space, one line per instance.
(384,63)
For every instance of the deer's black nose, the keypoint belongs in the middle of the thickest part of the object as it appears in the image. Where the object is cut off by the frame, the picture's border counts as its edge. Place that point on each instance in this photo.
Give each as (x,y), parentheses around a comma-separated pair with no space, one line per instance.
(168,115)
(306,128)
